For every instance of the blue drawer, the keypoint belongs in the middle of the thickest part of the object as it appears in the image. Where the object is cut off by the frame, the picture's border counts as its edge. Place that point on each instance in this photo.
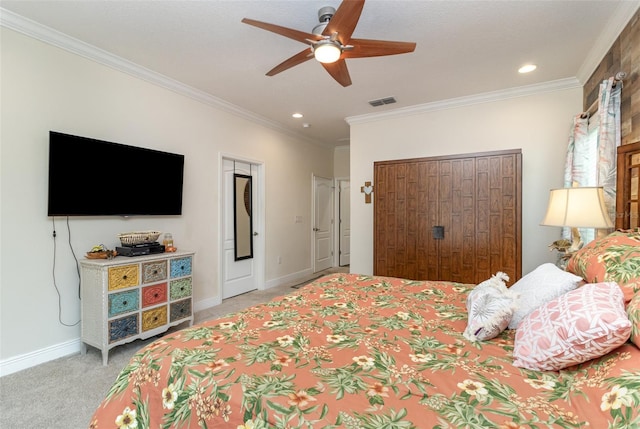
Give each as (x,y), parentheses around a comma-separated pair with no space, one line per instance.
(122,328)
(181,267)
(123,302)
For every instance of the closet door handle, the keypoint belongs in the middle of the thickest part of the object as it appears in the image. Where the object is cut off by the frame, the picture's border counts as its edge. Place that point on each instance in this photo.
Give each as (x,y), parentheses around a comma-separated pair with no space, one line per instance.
(437,232)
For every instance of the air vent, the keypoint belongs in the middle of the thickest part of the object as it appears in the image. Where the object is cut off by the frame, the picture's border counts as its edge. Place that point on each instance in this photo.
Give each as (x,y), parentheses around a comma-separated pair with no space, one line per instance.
(382,101)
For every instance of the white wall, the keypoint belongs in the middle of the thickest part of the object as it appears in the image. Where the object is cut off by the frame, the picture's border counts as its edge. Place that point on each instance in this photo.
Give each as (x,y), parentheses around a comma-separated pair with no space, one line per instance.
(341,161)
(47,88)
(537,124)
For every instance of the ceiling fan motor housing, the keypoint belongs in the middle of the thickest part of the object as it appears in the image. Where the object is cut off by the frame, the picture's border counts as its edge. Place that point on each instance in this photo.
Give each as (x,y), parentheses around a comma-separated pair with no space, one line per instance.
(326,13)
(324,16)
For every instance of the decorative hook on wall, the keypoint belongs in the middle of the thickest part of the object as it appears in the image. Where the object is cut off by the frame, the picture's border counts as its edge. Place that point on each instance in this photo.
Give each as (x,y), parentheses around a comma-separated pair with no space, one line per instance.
(367,190)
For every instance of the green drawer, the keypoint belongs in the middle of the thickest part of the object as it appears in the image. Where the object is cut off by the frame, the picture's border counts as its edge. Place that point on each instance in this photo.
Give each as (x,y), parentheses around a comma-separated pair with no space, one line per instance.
(180,288)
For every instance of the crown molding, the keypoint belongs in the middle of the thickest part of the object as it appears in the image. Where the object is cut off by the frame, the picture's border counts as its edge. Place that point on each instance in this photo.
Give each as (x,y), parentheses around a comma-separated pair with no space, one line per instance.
(56,38)
(621,17)
(453,103)
(624,11)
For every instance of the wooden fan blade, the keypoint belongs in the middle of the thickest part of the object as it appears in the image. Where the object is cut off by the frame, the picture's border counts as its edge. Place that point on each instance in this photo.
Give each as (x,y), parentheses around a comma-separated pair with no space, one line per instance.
(339,72)
(377,48)
(345,19)
(300,36)
(298,58)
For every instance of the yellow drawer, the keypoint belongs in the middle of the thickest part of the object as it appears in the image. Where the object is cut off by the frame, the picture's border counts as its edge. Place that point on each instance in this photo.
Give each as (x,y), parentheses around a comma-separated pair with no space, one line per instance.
(154,318)
(122,277)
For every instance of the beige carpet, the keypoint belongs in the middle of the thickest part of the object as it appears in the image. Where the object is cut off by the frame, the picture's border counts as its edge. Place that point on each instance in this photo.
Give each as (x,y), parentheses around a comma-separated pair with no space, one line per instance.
(65,392)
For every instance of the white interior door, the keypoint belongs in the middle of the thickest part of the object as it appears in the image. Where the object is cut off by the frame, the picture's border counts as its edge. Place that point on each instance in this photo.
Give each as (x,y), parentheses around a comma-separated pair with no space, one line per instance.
(323,223)
(345,222)
(238,276)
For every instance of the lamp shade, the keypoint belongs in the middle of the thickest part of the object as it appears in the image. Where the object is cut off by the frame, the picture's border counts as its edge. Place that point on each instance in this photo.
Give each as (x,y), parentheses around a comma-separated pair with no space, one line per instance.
(327,51)
(577,208)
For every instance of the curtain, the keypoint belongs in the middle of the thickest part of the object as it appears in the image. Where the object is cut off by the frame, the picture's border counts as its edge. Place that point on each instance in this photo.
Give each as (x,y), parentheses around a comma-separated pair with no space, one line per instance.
(581,152)
(592,149)
(608,141)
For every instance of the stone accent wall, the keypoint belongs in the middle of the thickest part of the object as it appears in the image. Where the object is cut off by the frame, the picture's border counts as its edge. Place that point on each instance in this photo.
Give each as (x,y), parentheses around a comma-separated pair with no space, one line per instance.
(624,56)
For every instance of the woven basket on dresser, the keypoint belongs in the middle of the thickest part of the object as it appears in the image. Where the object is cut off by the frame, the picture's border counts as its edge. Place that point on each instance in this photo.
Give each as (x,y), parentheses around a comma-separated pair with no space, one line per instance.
(141,237)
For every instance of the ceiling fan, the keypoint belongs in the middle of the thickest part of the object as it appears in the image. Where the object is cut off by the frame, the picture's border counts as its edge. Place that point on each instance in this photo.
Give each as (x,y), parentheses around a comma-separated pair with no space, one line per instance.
(330,42)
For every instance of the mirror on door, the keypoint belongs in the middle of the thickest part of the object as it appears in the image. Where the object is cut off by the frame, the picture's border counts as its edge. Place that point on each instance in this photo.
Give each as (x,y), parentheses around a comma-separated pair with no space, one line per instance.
(243,216)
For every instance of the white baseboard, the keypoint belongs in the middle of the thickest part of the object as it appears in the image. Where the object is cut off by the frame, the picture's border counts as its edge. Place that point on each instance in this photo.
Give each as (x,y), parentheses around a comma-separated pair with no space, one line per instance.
(290,278)
(204,304)
(27,360)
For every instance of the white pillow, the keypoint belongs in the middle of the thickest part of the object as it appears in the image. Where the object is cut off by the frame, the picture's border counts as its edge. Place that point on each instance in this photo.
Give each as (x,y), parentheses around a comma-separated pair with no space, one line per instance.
(490,306)
(540,286)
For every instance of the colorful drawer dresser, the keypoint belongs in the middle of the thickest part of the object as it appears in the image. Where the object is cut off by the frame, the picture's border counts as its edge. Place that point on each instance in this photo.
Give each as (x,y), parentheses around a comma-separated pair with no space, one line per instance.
(129,298)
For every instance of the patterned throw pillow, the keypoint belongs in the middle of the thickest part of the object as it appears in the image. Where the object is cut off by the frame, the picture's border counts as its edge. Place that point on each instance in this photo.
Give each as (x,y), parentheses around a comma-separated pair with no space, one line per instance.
(614,258)
(490,306)
(633,311)
(576,327)
(539,286)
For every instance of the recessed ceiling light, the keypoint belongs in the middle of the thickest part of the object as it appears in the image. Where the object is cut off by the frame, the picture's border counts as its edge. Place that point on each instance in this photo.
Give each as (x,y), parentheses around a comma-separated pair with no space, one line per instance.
(527,68)
(297,115)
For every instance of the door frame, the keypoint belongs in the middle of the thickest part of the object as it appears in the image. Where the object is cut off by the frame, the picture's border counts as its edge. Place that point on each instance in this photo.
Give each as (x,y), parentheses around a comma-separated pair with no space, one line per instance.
(623,185)
(338,218)
(259,246)
(332,236)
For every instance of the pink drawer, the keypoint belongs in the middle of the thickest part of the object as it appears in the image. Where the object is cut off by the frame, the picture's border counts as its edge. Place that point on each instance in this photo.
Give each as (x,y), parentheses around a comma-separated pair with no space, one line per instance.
(155,294)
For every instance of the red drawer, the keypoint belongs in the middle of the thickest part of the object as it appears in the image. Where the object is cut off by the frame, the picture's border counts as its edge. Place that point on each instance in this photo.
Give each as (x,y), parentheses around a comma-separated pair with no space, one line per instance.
(155,294)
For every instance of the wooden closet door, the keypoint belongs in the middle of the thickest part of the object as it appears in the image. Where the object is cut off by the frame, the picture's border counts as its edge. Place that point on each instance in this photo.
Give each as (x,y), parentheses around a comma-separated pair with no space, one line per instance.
(403,210)
(474,198)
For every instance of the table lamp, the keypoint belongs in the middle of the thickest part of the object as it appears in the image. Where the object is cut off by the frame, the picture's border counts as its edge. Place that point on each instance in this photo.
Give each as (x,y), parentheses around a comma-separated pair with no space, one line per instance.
(577,208)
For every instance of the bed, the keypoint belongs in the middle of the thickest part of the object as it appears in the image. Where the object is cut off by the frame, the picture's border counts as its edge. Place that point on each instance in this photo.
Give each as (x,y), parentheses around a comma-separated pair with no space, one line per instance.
(356,351)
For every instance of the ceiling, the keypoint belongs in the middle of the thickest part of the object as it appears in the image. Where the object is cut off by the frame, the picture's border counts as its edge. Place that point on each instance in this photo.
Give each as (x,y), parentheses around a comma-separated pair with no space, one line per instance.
(464,48)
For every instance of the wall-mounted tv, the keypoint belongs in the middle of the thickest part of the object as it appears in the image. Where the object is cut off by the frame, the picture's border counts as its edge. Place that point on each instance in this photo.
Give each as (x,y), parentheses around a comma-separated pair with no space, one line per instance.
(89,177)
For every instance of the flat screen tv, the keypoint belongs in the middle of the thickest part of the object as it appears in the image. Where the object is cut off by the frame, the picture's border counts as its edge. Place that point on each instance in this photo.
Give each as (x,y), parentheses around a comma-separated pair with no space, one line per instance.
(89,177)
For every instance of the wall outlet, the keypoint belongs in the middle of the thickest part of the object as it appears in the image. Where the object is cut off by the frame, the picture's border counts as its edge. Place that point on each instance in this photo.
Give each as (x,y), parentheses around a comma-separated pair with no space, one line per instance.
(297,219)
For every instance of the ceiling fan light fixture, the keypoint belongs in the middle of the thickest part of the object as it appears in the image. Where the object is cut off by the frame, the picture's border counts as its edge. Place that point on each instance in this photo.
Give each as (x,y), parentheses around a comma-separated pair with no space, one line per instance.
(327,51)
(330,39)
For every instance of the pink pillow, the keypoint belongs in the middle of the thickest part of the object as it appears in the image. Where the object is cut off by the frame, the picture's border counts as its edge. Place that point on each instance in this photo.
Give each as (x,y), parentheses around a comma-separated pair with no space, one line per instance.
(614,258)
(578,326)
(633,311)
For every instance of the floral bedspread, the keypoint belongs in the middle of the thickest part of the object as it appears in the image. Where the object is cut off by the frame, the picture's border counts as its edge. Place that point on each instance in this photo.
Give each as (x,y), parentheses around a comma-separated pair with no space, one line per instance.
(352,351)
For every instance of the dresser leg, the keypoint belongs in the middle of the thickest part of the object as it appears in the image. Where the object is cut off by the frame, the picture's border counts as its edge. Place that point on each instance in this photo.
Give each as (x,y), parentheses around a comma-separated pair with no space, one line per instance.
(105,357)
(83,349)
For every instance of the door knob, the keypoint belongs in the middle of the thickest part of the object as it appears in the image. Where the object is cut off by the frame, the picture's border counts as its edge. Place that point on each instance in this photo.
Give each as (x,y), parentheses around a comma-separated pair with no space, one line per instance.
(316,229)
(255,233)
